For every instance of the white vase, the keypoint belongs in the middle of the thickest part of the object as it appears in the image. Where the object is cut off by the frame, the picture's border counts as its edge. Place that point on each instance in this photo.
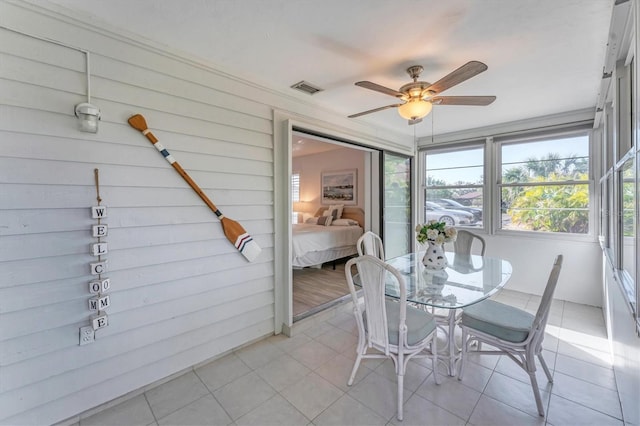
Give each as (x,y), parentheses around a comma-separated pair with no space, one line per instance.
(434,258)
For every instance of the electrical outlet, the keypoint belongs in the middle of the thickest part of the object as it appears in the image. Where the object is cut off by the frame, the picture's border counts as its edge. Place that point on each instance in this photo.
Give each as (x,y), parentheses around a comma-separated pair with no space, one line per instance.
(87,335)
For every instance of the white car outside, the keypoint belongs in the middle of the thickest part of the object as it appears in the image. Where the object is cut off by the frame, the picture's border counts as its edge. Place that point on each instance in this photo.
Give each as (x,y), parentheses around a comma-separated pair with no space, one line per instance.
(451,217)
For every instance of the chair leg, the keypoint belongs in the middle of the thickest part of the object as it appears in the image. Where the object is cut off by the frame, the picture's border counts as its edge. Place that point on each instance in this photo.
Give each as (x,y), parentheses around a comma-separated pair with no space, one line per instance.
(434,358)
(356,364)
(463,353)
(545,368)
(400,395)
(536,392)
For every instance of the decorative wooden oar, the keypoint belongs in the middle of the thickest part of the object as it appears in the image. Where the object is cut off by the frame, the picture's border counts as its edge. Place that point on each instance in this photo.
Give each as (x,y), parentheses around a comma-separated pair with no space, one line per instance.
(232,229)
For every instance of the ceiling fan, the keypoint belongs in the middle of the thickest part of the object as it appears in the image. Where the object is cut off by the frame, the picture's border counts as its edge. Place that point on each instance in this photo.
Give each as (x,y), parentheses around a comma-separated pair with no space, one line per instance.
(420,96)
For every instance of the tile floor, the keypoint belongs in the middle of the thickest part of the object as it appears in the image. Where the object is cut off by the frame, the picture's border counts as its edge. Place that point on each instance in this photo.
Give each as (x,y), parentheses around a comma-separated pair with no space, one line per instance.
(302,381)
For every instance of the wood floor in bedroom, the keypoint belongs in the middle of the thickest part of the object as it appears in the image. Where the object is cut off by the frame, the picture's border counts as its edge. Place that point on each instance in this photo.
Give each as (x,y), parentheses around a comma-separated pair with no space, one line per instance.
(316,289)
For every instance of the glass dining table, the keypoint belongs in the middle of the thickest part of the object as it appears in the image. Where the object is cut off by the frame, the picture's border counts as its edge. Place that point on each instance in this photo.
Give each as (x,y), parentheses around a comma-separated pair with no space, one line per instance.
(468,279)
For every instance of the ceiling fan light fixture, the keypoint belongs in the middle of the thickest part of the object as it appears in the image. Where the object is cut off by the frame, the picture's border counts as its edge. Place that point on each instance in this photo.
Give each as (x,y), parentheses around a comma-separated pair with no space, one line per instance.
(414,109)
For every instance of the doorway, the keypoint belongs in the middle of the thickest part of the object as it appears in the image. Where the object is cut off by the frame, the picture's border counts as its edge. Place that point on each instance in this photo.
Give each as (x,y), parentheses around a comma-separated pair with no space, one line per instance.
(316,287)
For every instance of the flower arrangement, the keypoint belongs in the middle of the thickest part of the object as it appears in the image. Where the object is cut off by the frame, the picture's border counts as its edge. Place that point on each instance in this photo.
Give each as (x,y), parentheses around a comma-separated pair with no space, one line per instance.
(436,232)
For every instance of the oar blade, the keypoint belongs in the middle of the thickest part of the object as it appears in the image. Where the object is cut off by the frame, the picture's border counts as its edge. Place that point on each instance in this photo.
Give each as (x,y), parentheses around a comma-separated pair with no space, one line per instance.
(240,238)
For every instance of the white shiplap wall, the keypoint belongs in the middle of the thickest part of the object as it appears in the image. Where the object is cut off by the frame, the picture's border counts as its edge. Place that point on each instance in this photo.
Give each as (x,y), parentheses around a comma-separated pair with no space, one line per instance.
(181,293)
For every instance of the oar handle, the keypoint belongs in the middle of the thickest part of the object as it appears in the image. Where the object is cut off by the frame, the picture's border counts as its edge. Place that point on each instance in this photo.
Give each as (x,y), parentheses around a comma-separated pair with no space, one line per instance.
(138,123)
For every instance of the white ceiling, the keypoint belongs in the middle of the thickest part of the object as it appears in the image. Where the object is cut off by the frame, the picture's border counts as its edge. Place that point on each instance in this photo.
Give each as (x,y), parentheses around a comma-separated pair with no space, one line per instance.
(544,56)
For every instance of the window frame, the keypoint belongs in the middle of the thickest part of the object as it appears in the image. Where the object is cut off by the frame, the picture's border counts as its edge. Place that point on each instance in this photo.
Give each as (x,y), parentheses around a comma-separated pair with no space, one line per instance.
(453,147)
(295,195)
(552,132)
(621,143)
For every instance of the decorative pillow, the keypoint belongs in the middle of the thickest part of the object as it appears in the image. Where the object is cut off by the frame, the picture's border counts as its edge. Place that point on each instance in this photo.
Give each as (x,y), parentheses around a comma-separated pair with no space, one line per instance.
(325,220)
(334,210)
(344,222)
(339,207)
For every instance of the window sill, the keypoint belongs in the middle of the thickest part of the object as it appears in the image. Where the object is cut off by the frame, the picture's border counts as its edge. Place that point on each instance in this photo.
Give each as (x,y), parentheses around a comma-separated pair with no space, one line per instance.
(585,238)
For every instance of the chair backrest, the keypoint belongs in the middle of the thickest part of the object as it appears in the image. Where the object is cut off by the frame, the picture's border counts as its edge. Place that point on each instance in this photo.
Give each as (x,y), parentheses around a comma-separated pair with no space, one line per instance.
(464,241)
(371,244)
(540,321)
(372,274)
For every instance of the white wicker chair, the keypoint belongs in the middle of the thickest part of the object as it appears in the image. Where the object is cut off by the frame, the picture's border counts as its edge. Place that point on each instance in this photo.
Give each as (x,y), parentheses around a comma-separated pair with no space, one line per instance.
(464,241)
(370,243)
(515,332)
(390,327)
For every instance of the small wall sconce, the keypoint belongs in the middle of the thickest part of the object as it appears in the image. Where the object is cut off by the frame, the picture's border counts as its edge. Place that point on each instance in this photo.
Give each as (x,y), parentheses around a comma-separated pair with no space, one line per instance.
(88,116)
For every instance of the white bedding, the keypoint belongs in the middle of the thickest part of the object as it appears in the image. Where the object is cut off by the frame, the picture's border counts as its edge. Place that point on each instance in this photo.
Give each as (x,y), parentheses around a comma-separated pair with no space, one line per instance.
(313,244)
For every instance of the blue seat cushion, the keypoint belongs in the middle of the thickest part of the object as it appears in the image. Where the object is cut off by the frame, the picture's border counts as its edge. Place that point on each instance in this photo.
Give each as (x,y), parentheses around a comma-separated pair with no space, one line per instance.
(419,323)
(499,320)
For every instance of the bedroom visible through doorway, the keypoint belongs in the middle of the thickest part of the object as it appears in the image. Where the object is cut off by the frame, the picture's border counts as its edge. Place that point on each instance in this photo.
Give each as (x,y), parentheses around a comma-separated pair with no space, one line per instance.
(327,173)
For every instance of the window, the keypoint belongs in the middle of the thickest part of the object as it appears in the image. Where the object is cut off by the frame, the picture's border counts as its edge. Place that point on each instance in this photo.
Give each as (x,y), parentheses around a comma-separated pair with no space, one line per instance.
(628,211)
(621,181)
(295,194)
(544,184)
(454,185)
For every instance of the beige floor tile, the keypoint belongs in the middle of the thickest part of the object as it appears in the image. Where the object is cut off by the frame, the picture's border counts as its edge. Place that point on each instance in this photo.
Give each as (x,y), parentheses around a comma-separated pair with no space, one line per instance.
(311,370)
(572,309)
(282,372)
(222,371)
(595,338)
(259,353)
(595,397)
(584,353)
(338,340)
(563,412)
(338,370)
(348,411)
(313,354)
(244,394)
(418,411)
(414,376)
(490,412)
(601,376)
(135,411)
(475,376)
(551,339)
(586,323)
(341,318)
(515,394)
(318,329)
(508,367)
(451,395)
(204,411)
(350,325)
(175,394)
(276,411)
(379,394)
(311,395)
(288,344)
(487,361)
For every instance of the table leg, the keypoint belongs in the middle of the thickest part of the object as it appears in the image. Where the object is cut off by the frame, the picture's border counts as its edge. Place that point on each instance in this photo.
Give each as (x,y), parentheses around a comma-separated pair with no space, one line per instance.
(450,354)
(452,349)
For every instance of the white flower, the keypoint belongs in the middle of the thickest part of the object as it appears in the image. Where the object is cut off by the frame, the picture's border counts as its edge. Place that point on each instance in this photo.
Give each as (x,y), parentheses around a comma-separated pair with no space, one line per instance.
(437,232)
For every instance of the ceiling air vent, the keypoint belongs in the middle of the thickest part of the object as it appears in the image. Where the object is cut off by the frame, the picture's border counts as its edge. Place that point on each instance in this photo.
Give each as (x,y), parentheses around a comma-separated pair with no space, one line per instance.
(306,87)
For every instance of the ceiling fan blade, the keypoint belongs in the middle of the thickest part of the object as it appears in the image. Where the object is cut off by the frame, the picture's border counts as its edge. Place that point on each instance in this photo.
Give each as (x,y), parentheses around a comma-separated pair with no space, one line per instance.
(463,73)
(374,110)
(463,100)
(373,86)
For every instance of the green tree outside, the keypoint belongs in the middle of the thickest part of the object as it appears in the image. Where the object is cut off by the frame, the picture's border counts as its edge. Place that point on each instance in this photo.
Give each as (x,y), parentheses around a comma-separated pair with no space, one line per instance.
(551,208)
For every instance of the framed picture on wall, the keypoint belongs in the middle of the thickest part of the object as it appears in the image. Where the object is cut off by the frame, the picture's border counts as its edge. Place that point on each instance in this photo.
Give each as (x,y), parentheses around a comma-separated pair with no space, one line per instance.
(339,187)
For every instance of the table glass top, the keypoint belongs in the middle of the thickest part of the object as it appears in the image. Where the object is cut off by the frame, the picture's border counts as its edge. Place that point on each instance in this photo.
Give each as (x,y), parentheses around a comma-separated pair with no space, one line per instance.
(467,279)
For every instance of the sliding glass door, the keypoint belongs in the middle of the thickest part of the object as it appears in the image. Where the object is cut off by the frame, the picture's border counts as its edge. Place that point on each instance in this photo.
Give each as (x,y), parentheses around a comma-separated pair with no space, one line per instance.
(396,214)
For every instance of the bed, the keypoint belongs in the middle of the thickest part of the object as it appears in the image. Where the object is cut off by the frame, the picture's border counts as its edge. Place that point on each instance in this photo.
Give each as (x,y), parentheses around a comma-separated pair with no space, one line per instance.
(315,244)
